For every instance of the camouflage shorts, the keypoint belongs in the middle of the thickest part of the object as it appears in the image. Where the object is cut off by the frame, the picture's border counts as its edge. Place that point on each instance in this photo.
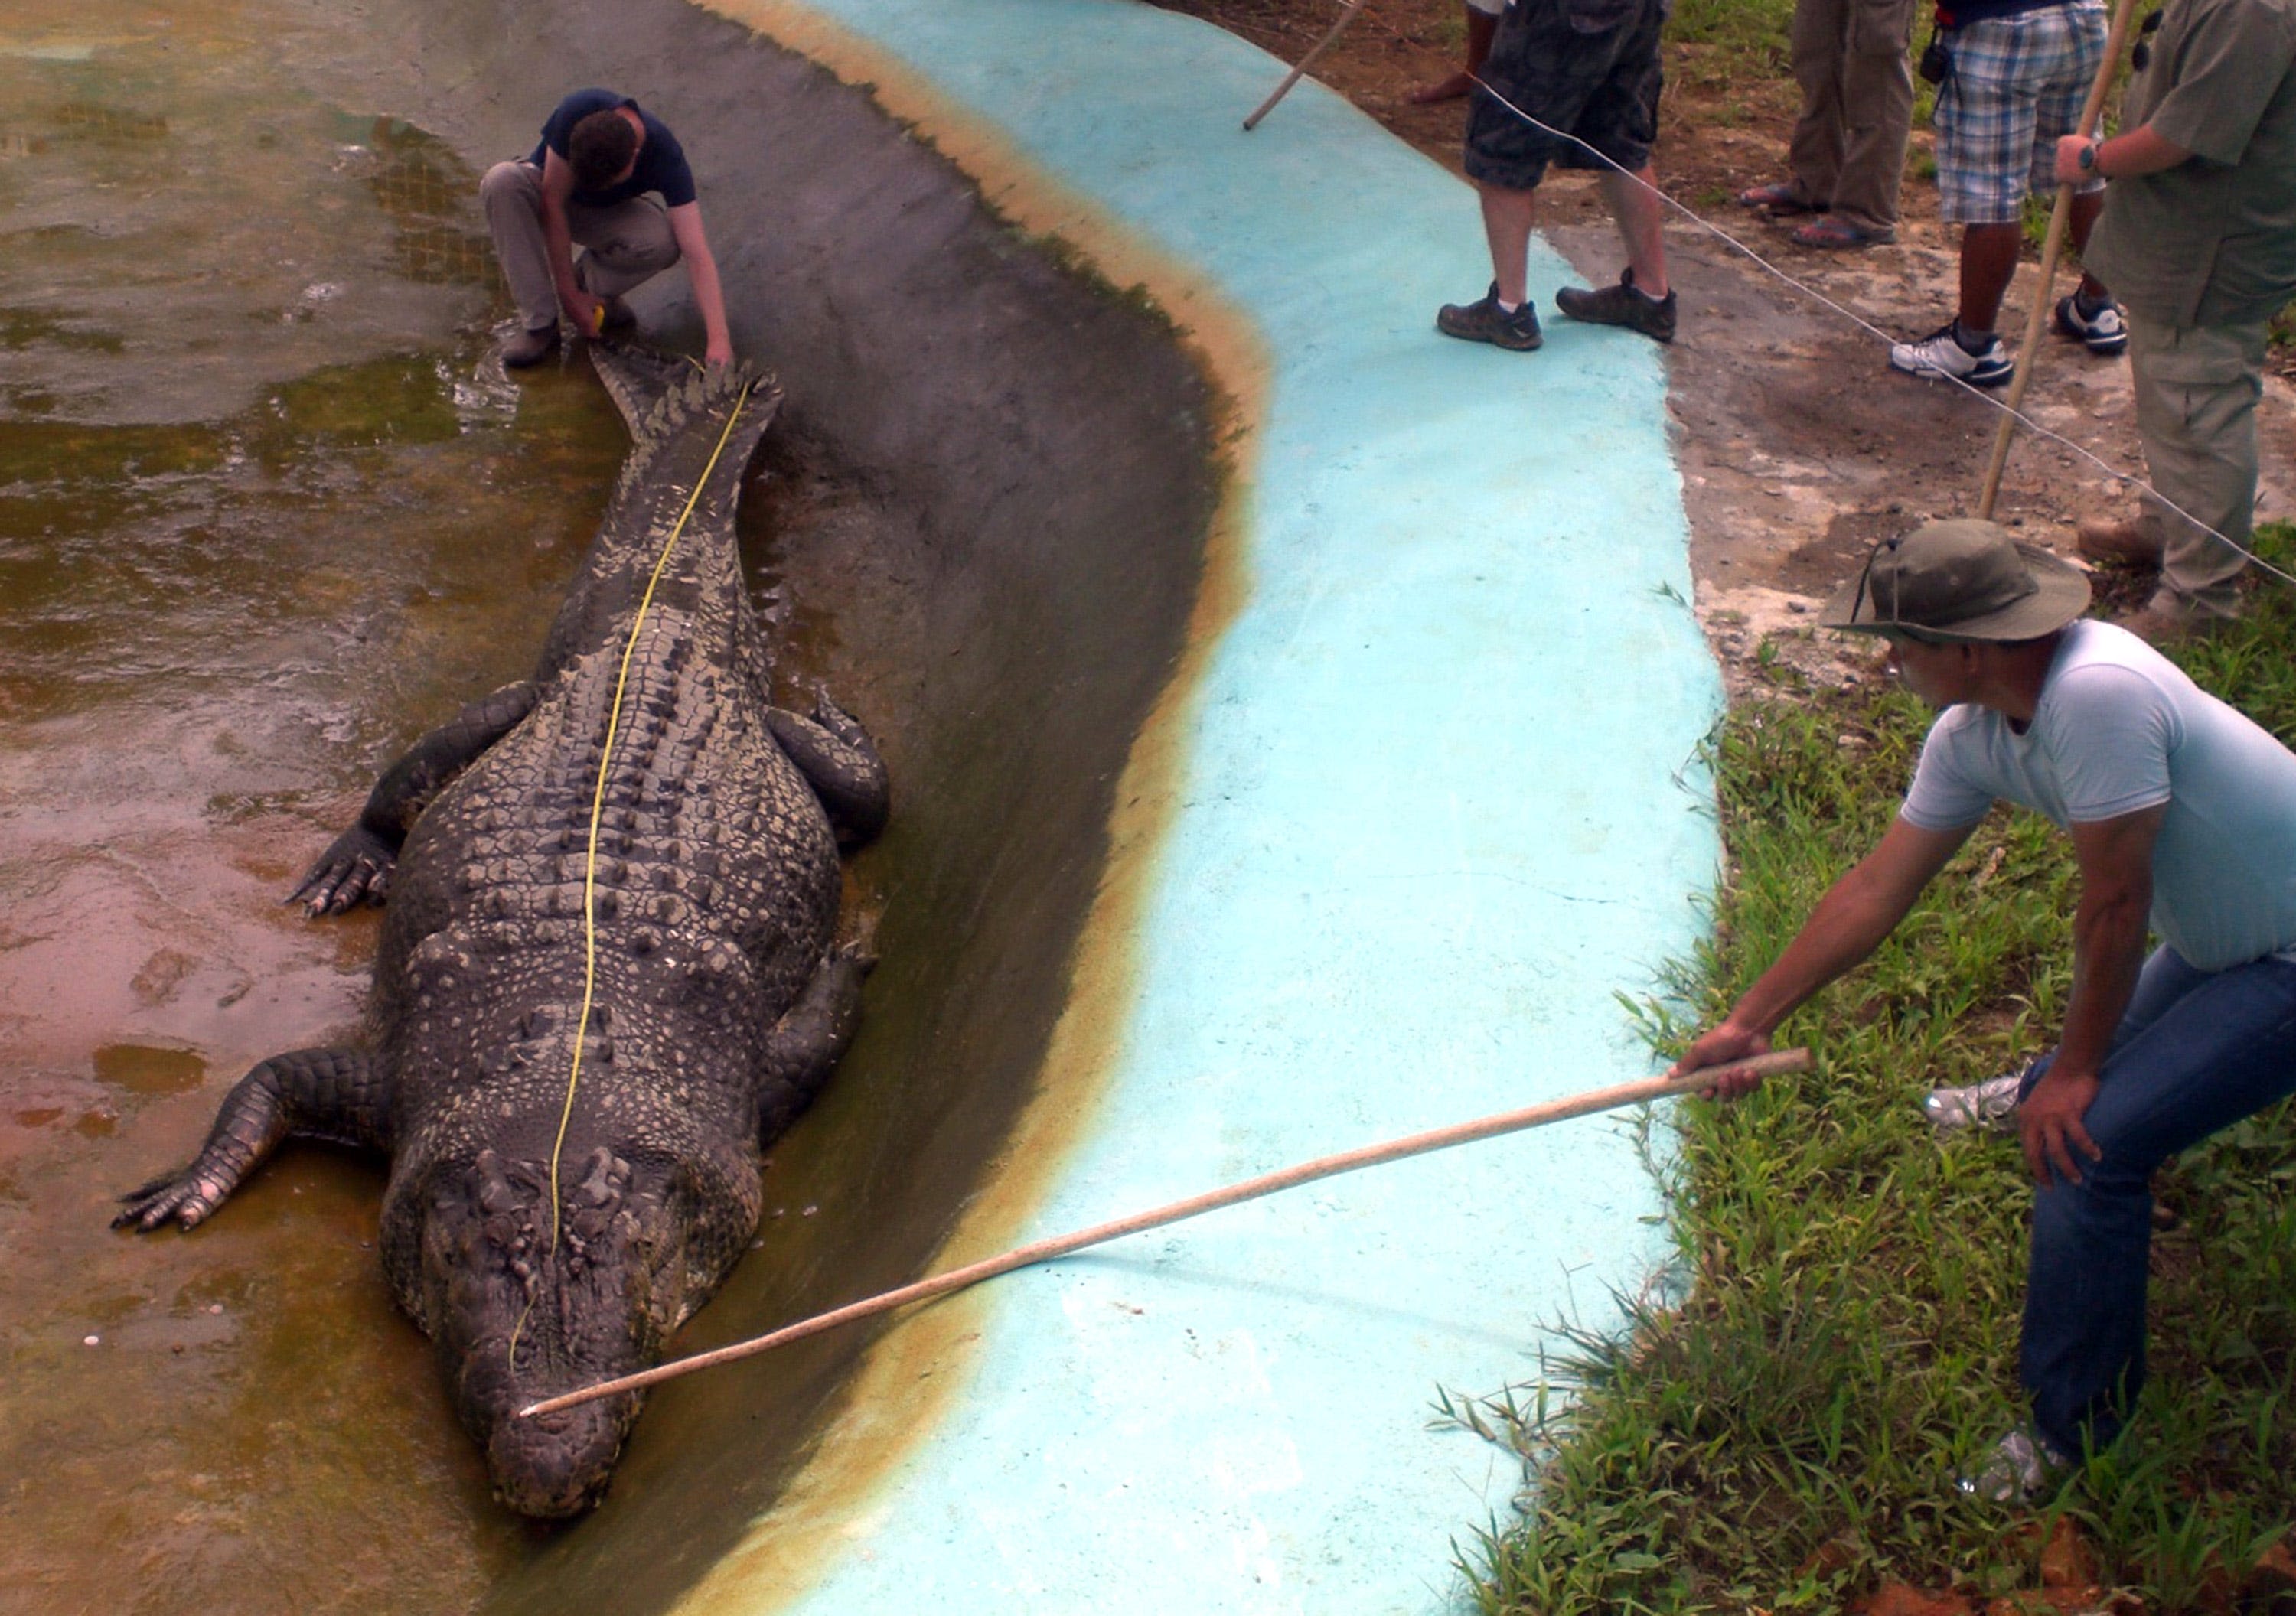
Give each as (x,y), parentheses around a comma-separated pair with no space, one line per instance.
(1589,69)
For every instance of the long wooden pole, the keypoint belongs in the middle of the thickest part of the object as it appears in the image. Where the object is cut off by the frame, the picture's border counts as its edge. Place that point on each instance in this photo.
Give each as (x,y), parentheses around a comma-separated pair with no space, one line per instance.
(1306,61)
(1268,1184)
(2059,215)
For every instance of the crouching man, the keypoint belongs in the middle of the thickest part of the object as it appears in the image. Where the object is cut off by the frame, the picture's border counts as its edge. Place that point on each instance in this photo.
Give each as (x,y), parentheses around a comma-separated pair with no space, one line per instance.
(2181,810)
(611,178)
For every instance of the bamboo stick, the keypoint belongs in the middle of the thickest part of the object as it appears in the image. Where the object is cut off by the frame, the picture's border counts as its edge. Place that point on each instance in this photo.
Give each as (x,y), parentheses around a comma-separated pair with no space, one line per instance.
(1306,61)
(1306,1172)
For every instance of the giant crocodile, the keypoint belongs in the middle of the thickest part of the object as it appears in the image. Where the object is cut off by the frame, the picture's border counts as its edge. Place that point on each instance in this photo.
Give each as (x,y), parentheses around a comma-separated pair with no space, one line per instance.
(638,830)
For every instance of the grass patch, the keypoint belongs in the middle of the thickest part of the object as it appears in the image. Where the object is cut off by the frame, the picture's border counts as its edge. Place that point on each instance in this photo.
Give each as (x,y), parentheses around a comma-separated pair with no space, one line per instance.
(1786,1438)
(1753,32)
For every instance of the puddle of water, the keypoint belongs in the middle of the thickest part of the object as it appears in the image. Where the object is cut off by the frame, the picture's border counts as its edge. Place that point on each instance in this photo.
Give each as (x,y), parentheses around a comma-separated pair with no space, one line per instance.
(265,511)
(147,1072)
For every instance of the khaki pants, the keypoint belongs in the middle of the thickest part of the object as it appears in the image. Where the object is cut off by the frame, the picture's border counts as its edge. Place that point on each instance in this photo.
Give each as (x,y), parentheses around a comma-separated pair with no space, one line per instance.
(622,246)
(1849,146)
(2197,388)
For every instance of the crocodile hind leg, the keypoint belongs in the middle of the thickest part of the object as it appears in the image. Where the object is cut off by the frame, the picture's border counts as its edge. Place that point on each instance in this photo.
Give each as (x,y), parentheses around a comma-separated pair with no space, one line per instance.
(343,1095)
(807,1042)
(839,760)
(357,864)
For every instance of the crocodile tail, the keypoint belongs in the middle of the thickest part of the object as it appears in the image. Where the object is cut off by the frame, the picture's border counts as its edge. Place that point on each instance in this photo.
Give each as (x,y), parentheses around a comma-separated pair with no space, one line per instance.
(662,419)
(656,392)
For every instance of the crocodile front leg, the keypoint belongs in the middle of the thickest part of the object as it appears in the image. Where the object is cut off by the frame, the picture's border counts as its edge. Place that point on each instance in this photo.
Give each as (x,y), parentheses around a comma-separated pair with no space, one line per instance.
(839,762)
(357,864)
(809,1040)
(343,1095)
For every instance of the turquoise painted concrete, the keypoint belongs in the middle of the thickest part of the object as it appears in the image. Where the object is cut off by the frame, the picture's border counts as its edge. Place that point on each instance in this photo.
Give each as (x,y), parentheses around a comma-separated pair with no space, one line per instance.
(1439,802)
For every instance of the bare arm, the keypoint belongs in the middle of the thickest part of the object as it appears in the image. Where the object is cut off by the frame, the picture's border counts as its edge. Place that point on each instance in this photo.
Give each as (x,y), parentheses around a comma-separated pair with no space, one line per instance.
(558,243)
(2138,150)
(702,269)
(1850,922)
(2109,925)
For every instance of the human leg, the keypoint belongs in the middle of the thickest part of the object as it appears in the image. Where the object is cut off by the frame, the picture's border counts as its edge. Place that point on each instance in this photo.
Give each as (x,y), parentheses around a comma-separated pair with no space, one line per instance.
(510,194)
(2069,51)
(1988,262)
(2080,220)
(623,246)
(1984,136)
(1506,156)
(1877,93)
(2089,315)
(1640,217)
(2222,1048)
(1992,1105)
(1509,216)
(1616,126)
(2197,388)
(1966,347)
(1504,316)
(1631,302)
(1818,43)
(1481,26)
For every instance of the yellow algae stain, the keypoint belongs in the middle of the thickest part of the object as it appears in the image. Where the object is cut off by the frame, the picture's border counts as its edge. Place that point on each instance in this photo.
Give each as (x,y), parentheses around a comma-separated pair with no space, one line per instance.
(909,1379)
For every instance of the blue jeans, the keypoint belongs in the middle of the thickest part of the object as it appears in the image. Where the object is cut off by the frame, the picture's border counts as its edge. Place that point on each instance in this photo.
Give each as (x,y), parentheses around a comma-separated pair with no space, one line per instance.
(2197,1051)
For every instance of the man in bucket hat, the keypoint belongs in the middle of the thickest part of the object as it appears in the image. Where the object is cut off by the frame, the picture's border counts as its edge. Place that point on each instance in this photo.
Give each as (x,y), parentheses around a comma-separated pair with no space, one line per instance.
(2181,811)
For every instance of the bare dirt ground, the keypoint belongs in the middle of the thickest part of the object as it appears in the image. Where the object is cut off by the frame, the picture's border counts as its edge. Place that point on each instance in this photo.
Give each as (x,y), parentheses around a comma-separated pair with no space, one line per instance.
(1799,446)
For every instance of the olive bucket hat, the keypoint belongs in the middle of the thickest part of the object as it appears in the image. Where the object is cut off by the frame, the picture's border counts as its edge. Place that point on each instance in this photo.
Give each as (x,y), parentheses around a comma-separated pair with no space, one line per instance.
(1960,580)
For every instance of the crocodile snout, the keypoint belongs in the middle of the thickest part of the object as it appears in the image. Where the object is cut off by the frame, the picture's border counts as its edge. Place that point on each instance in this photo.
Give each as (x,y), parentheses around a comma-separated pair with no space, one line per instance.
(555,1466)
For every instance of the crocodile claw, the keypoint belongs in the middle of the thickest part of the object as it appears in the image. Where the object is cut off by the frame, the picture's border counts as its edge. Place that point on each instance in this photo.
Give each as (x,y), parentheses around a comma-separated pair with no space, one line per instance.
(355,869)
(186,1197)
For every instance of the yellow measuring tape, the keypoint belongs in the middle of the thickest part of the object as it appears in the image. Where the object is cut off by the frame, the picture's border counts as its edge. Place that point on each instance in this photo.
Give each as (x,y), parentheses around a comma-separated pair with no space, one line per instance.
(597,813)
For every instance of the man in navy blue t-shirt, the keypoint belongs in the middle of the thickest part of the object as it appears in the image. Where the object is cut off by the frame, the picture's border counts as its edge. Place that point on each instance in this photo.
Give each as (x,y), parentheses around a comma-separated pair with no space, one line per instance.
(592,182)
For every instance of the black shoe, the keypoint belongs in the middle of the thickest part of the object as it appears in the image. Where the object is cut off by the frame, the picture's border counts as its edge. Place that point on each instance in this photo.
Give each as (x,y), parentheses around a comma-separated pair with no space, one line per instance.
(1486,321)
(1625,304)
(531,346)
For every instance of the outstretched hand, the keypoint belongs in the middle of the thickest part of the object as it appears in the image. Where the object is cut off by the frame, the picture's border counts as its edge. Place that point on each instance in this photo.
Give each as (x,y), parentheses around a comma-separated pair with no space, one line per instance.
(355,869)
(1713,1049)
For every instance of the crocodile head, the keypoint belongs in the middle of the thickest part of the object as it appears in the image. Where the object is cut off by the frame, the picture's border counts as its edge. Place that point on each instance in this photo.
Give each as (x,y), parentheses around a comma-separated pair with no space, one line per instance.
(523,1307)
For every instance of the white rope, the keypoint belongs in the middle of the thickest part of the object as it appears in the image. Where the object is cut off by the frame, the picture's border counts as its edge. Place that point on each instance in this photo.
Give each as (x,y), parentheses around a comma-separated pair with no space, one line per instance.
(1857,320)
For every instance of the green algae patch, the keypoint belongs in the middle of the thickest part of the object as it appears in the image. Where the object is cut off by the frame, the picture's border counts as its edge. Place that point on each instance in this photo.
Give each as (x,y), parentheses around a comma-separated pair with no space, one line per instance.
(58,451)
(399,400)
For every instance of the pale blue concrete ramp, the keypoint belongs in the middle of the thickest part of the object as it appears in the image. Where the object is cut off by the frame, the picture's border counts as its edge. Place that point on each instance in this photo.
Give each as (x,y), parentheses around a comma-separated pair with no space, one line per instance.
(1437,801)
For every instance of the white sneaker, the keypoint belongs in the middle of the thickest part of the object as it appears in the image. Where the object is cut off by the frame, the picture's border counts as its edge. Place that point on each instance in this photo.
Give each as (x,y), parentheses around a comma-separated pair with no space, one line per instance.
(2020,1469)
(1986,1108)
(1941,353)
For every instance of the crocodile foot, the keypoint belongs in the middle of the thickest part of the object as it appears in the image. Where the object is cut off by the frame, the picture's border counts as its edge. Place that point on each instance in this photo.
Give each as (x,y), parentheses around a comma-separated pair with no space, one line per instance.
(355,869)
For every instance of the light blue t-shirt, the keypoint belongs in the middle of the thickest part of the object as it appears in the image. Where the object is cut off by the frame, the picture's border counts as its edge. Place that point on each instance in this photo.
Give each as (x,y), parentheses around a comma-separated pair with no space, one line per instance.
(2119,728)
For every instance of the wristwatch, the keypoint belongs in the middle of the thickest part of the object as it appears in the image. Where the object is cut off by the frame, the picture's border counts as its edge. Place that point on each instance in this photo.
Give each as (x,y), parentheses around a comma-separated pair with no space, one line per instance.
(2086,161)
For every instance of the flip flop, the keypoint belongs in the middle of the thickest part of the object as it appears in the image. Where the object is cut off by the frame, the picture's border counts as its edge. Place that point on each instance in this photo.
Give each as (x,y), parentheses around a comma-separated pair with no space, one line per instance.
(1834,235)
(1778,197)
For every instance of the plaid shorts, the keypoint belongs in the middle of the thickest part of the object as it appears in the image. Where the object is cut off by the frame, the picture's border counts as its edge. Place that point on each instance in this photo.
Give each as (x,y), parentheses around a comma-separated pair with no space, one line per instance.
(2017,83)
(1589,69)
